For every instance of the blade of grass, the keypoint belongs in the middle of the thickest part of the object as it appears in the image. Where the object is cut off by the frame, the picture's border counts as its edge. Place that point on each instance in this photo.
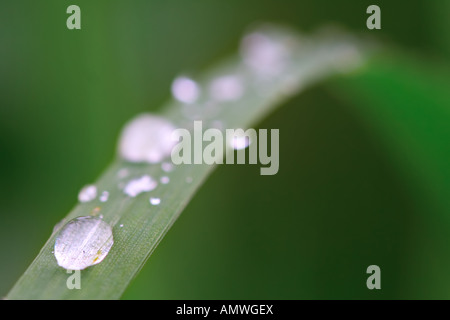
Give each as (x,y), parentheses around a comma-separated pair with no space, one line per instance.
(138,227)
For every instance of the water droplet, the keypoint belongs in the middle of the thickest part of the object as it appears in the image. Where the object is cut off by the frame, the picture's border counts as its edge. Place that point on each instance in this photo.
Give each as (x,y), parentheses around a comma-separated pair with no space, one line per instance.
(147,138)
(155,201)
(264,54)
(137,186)
(88,193)
(167,166)
(240,142)
(185,90)
(165,180)
(83,242)
(227,88)
(104,196)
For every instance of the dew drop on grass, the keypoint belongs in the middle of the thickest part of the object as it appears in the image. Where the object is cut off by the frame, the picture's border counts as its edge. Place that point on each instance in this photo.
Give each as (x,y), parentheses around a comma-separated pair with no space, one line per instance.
(240,142)
(147,138)
(155,201)
(264,54)
(139,185)
(83,242)
(88,193)
(167,167)
(165,179)
(185,90)
(104,196)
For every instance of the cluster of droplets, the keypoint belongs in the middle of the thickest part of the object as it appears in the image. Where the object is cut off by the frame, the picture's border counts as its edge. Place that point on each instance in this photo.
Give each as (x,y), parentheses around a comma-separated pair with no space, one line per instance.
(136,186)
(86,241)
(89,193)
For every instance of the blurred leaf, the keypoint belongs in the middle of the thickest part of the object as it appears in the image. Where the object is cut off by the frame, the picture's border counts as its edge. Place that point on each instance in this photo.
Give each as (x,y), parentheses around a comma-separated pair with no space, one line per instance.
(409,108)
(406,105)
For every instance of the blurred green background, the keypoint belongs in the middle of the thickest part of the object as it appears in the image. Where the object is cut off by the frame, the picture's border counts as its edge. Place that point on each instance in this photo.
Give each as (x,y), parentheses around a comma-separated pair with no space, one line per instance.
(339,203)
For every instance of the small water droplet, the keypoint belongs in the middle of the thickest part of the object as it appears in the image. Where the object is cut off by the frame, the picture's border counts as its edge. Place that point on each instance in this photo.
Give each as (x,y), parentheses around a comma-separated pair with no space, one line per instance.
(185,90)
(155,201)
(137,186)
(239,142)
(83,242)
(147,138)
(165,180)
(88,193)
(167,166)
(264,54)
(226,88)
(104,196)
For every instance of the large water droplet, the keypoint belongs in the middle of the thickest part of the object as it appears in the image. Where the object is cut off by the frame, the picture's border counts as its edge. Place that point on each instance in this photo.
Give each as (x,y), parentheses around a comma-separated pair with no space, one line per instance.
(147,138)
(88,193)
(83,242)
(142,184)
(185,90)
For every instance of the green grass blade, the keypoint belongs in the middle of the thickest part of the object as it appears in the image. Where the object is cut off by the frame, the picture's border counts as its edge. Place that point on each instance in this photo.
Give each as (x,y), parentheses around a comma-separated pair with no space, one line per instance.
(310,60)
